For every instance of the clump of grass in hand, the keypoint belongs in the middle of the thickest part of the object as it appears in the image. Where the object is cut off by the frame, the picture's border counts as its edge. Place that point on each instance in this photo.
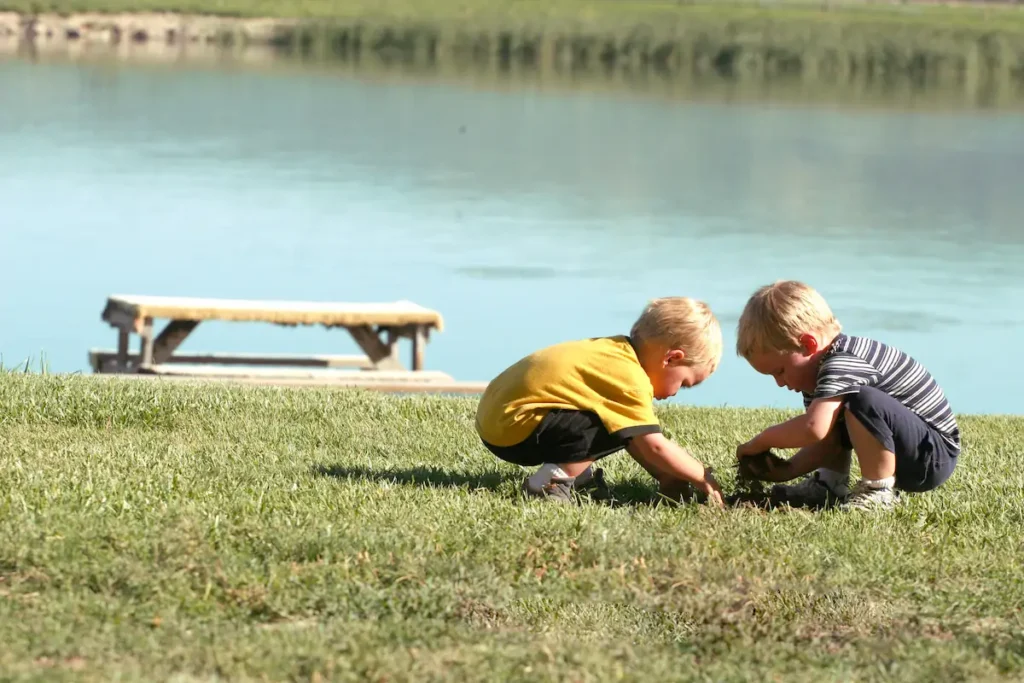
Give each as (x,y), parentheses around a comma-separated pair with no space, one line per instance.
(751,473)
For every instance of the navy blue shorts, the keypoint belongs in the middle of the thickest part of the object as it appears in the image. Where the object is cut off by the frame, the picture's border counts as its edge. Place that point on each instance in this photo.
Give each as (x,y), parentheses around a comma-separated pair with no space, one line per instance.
(924,460)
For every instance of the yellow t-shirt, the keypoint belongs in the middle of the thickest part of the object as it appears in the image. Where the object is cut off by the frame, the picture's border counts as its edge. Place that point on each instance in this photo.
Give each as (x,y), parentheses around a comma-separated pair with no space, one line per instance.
(602,375)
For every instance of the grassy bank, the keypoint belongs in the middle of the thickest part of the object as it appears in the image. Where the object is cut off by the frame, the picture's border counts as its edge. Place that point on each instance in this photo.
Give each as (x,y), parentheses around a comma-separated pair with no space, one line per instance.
(839,43)
(150,530)
(556,13)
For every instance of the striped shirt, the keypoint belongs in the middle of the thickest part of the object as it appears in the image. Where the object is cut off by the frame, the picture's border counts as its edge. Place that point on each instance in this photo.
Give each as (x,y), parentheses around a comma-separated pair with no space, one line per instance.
(855,362)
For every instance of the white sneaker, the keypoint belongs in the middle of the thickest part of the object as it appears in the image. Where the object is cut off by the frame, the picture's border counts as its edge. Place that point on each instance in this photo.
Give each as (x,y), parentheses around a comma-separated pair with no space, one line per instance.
(867,497)
(811,491)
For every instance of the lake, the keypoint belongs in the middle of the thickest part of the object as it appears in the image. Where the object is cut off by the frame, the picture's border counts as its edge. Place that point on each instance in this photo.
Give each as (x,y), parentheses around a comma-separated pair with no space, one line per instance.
(525,215)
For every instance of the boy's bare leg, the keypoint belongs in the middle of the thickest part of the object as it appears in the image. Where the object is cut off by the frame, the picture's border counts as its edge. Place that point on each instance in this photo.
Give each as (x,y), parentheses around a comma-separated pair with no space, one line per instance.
(876,489)
(875,461)
(575,469)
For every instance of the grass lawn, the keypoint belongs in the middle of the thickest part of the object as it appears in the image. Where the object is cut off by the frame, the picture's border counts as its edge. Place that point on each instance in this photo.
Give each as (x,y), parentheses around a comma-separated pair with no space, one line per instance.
(152,531)
(614,15)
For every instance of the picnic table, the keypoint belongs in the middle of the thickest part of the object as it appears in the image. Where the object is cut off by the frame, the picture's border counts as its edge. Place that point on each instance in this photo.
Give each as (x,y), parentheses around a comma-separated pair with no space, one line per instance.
(376,327)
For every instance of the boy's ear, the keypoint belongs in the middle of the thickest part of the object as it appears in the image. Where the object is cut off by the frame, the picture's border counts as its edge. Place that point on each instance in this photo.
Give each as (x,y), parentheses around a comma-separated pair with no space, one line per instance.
(808,343)
(674,356)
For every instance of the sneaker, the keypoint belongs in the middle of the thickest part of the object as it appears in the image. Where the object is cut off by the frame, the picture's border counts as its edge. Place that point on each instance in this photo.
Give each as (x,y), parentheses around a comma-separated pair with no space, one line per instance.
(558,490)
(865,497)
(811,492)
(596,485)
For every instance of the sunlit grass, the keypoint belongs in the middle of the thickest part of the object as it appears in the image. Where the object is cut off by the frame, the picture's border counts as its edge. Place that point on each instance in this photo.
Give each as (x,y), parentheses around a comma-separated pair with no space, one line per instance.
(149,529)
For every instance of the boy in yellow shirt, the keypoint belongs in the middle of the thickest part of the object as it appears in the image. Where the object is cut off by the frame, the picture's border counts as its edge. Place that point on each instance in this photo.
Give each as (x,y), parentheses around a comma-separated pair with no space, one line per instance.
(568,405)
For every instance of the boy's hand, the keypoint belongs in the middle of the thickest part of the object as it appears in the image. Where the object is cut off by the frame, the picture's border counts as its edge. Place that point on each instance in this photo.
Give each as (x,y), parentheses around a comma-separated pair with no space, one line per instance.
(748,448)
(681,491)
(765,466)
(712,489)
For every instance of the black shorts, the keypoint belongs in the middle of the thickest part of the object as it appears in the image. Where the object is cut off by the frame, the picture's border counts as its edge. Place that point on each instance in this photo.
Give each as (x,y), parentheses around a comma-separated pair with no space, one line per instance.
(565,436)
(924,460)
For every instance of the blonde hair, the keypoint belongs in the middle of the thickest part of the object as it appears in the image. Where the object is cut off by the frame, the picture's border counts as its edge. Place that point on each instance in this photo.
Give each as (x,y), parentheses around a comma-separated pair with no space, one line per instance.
(777,314)
(680,322)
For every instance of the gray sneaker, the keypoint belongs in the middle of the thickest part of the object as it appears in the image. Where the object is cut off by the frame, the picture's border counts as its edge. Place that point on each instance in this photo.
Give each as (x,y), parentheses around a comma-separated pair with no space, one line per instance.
(811,491)
(558,490)
(596,486)
(865,497)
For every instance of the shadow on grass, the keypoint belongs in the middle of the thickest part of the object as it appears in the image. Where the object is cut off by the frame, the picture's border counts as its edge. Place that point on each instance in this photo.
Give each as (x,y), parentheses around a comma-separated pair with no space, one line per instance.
(628,492)
(625,493)
(427,477)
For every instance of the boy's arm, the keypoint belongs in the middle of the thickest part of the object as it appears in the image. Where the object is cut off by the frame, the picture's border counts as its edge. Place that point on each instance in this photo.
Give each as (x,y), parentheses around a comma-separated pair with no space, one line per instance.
(803,430)
(838,376)
(665,460)
(807,459)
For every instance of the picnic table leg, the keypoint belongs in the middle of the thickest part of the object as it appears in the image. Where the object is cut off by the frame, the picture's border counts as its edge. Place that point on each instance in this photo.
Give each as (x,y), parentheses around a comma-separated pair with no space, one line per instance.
(170,338)
(384,356)
(146,335)
(392,337)
(122,350)
(419,346)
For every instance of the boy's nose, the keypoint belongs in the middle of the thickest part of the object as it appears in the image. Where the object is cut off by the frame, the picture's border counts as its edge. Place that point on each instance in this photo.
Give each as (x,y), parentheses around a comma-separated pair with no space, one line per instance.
(781,382)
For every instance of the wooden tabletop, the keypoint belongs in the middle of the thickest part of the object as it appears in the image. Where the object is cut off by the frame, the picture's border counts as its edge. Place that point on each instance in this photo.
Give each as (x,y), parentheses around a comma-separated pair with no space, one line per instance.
(397,313)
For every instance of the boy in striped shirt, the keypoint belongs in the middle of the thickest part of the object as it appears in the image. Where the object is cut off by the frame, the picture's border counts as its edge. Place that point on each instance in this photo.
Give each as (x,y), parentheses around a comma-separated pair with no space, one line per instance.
(858,393)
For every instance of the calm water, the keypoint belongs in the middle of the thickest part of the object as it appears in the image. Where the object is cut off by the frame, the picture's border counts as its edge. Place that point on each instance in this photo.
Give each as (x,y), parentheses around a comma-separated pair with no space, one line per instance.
(525,217)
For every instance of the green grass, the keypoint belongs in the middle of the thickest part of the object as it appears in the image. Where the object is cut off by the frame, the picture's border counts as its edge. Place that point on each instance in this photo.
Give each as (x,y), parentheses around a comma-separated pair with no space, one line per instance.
(554,13)
(154,531)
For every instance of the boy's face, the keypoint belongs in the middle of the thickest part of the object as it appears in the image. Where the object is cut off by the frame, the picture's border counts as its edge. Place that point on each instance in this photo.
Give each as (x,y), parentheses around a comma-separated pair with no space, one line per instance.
(794,370)
(670,375)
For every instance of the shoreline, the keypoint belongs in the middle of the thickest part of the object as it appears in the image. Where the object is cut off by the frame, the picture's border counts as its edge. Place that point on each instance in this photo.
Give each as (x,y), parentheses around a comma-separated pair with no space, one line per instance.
(734,43)
(149,385)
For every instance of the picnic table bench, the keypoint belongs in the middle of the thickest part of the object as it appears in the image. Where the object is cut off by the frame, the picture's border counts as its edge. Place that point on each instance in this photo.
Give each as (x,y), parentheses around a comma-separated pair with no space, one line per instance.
(376,327)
